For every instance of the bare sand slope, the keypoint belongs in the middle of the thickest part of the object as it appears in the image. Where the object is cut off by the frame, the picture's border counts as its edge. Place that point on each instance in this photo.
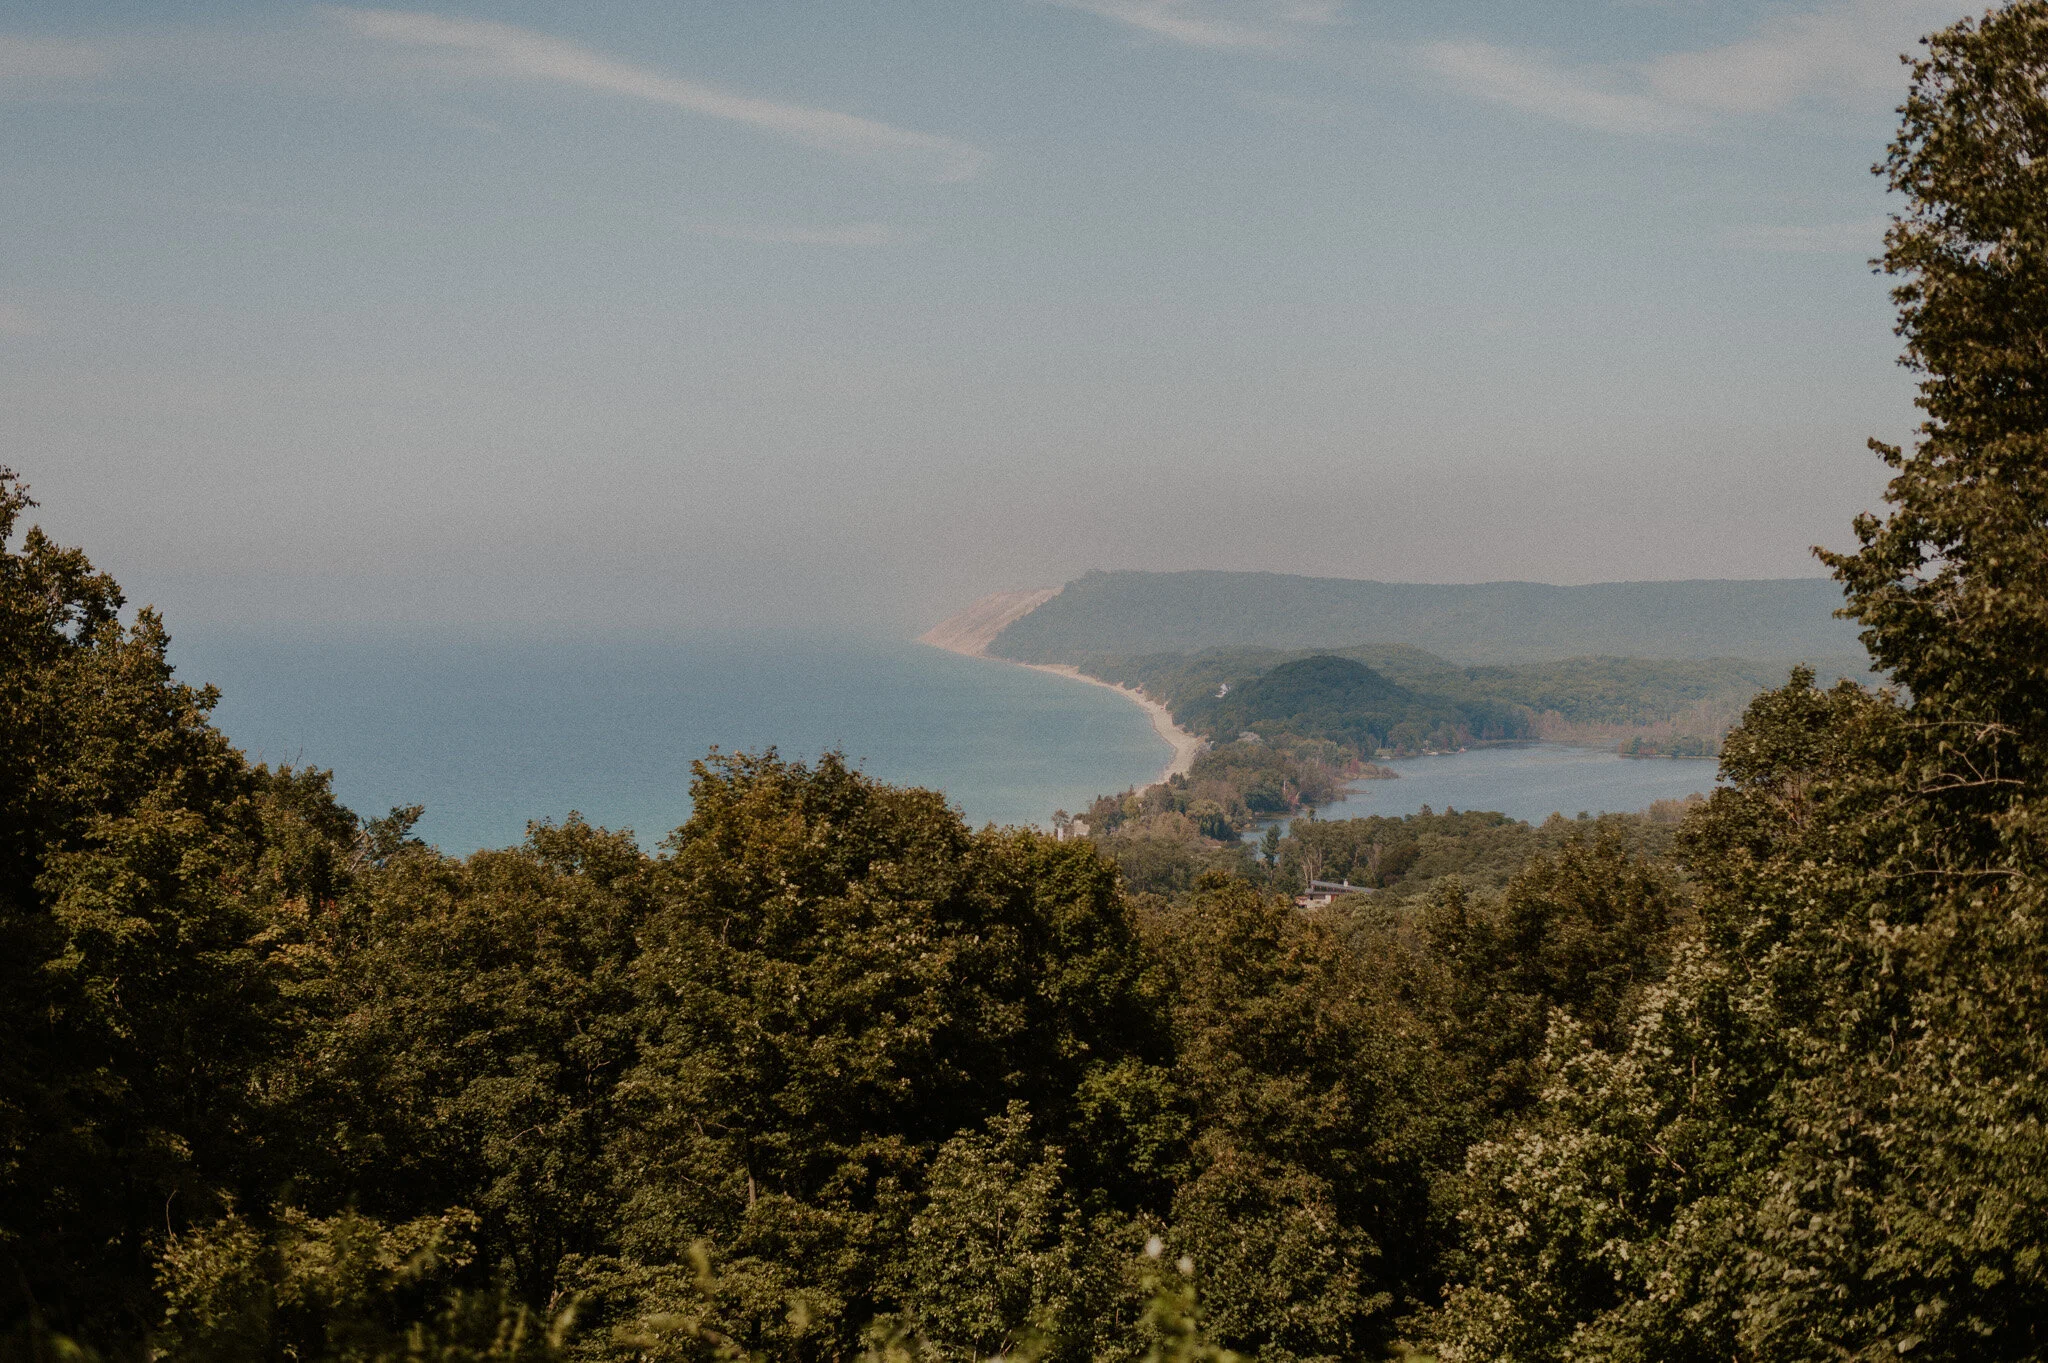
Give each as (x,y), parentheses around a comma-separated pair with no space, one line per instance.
(974,629)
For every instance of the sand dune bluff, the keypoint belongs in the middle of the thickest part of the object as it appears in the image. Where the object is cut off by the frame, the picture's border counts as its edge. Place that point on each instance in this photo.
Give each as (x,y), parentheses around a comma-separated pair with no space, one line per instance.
(974,629)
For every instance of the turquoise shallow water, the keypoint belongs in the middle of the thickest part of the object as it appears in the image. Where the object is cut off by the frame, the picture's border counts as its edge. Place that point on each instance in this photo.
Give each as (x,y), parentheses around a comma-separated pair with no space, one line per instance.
(489,733)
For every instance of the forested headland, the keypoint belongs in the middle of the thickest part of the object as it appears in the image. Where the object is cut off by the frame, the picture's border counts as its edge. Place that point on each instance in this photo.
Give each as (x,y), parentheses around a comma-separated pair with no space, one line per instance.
(1406,700)
(1289,732)
(830,1075)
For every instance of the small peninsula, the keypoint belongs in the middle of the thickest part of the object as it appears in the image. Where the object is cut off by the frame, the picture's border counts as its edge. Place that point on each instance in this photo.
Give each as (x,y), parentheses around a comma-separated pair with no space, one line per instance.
(1367,671)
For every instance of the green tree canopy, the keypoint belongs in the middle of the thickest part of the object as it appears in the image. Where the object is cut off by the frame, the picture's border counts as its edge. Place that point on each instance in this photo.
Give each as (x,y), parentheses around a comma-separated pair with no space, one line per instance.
(1824,1138)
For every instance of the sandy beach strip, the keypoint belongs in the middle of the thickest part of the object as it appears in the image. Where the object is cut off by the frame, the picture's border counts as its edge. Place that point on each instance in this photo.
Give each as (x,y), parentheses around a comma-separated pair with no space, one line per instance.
(1186,746)
(971,632)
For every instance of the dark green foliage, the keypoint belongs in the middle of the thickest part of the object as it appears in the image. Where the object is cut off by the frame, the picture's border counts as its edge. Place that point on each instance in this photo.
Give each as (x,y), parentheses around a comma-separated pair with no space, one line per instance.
(1300,1198)
(476,1019)
(1409,856)
(1344,702)
(1683,746)
(841,979)
(1165,855)
(834,1076)
(1823,1139)
(1591,693)
(141,863)
(1165,837)
(1407,852)
(1578,933)
(1266,778)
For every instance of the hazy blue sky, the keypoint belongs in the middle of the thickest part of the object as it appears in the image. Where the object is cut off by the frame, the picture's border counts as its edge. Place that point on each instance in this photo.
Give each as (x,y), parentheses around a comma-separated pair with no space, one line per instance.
(686,312)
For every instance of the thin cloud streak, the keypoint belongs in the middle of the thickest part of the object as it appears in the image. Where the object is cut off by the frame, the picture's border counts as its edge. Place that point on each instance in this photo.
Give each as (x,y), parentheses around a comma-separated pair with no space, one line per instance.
(1537,83)
(848,234)
(1832,238)
(502,50)
(1244,24)
(1844,54)
(34,61)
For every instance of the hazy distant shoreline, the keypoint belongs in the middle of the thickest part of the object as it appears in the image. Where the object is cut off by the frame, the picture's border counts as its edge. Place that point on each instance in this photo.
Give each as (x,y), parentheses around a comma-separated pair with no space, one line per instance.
(1186,746)
(971,631)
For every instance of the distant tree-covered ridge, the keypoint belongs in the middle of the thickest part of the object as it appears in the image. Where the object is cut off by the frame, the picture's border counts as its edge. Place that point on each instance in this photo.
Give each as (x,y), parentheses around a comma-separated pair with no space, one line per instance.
(1432,702)
(1128,613)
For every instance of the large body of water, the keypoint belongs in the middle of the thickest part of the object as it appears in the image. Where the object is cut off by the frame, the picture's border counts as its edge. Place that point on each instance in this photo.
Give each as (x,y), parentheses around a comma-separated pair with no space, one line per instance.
(488,734)
(1530,782)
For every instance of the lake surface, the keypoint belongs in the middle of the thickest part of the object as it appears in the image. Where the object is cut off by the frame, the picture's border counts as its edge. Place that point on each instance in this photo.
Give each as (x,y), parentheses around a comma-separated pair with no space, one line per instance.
(489,733)
(1529,782)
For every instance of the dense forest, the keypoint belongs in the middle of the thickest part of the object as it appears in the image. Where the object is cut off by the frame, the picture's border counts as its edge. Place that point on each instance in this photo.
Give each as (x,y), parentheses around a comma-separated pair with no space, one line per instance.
(1346,702)
(830,1075)
(1289,732)
(1440,704)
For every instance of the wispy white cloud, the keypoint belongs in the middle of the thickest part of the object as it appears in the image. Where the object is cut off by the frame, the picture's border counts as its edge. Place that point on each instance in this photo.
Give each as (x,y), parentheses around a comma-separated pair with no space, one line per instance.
(1217,23)
(19,321)
(844,234)
(1845,53)
(28,63)
(1538,83)
(502,50)
(1864,237)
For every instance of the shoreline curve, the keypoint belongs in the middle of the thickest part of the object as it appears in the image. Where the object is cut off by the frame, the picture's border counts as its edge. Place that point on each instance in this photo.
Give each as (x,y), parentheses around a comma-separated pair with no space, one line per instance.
(970,632)
(1186,746)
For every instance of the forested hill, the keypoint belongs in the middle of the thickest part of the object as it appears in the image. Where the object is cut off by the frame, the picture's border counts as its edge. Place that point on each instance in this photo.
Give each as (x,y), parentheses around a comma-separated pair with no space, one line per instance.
(1341,700)
(1489,622)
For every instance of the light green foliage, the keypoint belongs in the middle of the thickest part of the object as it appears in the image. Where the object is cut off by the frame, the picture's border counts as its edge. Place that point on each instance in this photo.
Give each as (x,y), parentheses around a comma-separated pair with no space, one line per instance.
(1605,1225)
(1618,1219)
(996,1261)
(1173,1318)
(346,1289)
